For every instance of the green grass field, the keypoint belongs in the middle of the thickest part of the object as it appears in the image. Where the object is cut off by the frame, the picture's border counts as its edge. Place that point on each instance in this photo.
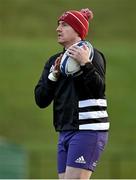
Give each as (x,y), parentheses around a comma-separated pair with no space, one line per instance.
(28,39)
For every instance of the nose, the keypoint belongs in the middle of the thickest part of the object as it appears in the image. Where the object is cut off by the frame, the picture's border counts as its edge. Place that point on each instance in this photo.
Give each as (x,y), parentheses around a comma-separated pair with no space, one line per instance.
(59,28)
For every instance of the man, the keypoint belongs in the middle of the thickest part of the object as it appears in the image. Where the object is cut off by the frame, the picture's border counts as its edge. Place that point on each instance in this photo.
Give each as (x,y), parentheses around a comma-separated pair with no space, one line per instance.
(79,101)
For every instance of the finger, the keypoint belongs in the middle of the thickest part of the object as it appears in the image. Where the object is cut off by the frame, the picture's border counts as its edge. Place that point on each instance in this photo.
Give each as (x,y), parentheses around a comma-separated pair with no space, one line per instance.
(58,59)
(60,56)
(57,63)
(74,47)
(70,51)
(71,55)
(85,47)
(73,50)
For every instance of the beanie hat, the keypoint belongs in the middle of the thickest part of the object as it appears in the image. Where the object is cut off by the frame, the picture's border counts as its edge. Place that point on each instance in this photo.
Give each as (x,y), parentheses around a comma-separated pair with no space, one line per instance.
(78,20)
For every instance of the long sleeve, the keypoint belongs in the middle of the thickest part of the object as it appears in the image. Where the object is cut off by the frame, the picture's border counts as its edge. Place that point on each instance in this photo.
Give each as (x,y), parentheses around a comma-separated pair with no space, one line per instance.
(94,75)
(44,90)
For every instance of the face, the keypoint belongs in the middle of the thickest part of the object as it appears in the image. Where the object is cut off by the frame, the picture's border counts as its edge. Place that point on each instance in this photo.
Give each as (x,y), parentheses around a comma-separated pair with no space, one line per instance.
(66,34)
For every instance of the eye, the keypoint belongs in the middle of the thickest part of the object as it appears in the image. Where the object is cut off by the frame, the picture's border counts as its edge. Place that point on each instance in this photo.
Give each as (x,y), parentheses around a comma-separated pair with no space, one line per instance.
(64,24)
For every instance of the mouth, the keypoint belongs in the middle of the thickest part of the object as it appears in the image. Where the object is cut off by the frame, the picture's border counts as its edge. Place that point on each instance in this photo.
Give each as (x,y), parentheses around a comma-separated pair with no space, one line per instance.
(59,35)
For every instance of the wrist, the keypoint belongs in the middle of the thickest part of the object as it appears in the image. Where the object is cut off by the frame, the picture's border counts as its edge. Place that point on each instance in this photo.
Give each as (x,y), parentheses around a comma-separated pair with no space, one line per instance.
(84,63)
(88,67)
(52,76)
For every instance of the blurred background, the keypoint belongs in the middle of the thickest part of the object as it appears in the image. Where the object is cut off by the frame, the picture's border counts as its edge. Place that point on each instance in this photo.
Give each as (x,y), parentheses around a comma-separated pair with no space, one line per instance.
(27,39)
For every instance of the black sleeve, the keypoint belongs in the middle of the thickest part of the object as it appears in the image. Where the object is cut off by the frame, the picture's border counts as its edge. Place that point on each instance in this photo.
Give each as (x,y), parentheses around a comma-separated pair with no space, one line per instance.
(44,90)
(94,74)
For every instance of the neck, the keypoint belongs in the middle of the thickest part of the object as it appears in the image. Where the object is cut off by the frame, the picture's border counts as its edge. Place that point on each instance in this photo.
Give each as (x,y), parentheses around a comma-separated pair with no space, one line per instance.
(72,42)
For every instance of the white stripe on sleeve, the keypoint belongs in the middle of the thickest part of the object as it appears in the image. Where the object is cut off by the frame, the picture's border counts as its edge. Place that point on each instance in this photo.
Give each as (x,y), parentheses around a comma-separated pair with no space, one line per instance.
(95,126)
(92,115)
(92,102)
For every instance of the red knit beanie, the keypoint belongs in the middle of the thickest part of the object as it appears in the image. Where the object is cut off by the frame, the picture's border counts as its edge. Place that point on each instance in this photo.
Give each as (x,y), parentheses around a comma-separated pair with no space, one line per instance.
(78,20)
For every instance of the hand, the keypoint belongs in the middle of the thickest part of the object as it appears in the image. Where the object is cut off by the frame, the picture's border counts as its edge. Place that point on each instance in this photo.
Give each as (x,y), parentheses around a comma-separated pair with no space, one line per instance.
(54,75)
(56,71)
(80,54)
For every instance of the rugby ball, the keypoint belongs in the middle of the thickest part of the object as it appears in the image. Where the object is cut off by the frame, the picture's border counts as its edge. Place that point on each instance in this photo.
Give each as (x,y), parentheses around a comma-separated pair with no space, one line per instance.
(68,66)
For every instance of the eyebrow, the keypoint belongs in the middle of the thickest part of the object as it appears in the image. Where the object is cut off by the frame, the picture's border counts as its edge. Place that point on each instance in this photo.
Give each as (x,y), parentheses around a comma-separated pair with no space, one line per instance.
(62,22)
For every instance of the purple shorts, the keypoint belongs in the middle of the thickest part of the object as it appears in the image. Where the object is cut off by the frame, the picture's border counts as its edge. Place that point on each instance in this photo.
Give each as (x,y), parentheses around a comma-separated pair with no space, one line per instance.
(80,149)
